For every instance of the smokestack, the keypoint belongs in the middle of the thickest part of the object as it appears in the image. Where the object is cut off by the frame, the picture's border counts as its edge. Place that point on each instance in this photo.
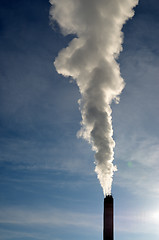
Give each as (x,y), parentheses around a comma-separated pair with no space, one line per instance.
(108,222)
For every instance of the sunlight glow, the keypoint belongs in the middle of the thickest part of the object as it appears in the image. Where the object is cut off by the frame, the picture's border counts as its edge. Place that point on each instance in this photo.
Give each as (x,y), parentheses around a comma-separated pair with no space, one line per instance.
(155,216)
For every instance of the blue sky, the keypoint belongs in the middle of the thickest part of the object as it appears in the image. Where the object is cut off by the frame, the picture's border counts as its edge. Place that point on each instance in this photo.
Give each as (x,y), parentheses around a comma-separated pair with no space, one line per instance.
(48,186)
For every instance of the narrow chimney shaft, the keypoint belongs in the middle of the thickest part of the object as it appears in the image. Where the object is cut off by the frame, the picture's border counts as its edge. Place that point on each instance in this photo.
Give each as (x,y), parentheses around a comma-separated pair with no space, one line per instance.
(108,231)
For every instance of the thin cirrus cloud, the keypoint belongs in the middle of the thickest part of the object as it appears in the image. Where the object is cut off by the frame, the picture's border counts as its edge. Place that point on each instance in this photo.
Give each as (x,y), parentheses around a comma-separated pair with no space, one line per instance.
(50,218)
(138,165)
(130,221)
(33,154)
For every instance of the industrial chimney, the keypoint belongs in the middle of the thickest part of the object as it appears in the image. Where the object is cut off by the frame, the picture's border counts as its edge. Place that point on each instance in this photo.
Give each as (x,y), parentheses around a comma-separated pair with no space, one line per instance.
(108,231)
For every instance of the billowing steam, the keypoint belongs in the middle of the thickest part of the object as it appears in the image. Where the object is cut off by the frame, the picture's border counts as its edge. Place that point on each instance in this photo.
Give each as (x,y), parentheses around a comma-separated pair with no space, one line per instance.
(90,59)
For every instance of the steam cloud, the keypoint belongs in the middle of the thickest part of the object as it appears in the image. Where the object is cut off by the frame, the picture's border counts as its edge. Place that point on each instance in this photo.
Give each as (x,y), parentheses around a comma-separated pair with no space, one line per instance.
(90,59)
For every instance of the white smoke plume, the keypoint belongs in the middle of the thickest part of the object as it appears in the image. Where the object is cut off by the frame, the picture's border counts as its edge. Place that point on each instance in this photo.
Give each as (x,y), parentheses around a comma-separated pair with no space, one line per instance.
(90,59)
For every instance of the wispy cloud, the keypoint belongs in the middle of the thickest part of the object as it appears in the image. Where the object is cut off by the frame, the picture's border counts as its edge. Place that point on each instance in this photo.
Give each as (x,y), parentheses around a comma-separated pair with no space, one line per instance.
(37,155)
(135,118)
(50,218)
(138,165)
(7,234)
(137,221)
